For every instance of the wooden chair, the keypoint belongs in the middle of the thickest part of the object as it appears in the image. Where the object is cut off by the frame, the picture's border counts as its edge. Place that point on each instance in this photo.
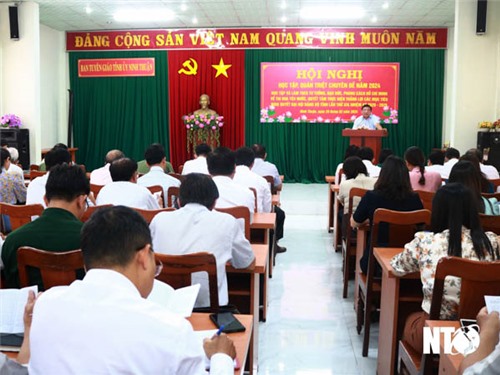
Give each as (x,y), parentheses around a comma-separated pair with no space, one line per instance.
(95,189)
(172,195)
(34,167)
(270,180)
(36,173)
(490,223)
(55,268)
(158,189)
(239,212)
(491,195)
(148,215)
(402,227)
(20,215)
(349,243)
(254,191)
(177,176)
(495,182)
(90,211)
(181,167)
(478,279)
(426,197)
(177,270)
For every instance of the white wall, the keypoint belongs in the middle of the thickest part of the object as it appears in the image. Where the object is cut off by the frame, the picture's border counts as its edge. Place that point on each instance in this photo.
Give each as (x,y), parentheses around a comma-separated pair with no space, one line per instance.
(474,94)
(54,83)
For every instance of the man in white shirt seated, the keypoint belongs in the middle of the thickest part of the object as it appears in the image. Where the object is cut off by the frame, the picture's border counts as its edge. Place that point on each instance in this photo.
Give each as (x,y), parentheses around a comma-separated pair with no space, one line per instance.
(199,163)
(451,156)
(36,188)
(123,190)
(366,154)
(221,165)
(489,171)
(435,162)
(265,168)
(245,158)
(104,324)
(157,162)
(196,227)
(101,176)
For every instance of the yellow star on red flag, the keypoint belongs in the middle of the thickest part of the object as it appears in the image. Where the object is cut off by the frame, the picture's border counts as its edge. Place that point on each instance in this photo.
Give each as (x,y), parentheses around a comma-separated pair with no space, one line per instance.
(221,68)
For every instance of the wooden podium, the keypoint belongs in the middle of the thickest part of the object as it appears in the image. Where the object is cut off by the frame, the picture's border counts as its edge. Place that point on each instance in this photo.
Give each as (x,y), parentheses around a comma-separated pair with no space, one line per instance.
(366,138)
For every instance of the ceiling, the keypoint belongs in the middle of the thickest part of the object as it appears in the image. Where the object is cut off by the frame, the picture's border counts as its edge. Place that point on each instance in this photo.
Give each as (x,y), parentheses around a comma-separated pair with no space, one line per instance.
(72,14)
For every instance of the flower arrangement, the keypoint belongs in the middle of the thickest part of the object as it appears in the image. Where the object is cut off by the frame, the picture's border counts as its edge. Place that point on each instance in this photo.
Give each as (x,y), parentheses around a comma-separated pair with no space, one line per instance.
(203,129)
(10,121)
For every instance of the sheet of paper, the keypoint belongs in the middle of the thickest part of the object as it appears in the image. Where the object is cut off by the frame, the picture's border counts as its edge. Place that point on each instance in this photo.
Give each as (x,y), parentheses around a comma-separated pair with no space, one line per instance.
(492,303)
(180,301)
(12,309)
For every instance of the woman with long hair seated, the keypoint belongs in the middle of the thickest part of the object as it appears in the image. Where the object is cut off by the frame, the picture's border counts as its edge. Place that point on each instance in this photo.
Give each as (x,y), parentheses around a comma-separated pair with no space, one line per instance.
(392,191)
(455,231)
(356,177)
(466,173)
(420,178)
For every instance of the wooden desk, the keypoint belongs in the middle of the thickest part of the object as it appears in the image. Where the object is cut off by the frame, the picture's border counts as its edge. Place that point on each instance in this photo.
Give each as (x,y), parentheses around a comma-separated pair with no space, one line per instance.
(247,288)
(400,296)
(241,340)
(260,232)
(331,181)
(72,151)
(361,235)
(448,364)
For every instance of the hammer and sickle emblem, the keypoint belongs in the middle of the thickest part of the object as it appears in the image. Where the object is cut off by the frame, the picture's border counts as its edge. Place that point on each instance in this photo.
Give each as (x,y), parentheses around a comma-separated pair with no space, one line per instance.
(191,65)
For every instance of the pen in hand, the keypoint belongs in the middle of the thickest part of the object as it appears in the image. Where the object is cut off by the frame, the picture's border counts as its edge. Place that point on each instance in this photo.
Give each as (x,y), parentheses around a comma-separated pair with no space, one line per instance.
(219,331)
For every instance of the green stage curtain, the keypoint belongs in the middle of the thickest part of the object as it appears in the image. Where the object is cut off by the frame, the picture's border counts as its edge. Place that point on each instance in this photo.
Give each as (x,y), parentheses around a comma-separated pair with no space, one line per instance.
(308,152)
(127,113)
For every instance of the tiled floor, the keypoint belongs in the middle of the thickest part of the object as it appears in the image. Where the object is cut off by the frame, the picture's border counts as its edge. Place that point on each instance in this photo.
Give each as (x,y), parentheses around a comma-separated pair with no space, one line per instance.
(310,329)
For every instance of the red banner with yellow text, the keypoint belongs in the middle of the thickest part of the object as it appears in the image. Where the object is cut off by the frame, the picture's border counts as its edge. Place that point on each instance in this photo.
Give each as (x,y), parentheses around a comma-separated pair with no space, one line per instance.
(328,92)
(135,67)
(256,38)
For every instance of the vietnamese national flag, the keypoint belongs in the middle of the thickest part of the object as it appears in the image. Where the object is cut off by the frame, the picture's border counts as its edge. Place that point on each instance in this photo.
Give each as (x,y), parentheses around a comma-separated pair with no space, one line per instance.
(221,75)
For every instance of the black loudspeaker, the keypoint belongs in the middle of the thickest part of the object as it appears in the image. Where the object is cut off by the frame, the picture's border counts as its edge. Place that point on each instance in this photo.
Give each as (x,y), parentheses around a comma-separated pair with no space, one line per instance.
(20,139)
(490,140)
(14,23)
(481,17)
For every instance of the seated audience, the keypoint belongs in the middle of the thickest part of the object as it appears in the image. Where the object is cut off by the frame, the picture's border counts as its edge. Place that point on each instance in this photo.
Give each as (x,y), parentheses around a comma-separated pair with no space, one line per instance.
(392,191)
(199,163)
(101,176)
(12,164)
(57,229)
(486,359)
(356,177)
(351,150)
(36,189)
(43,166)
(384,153)
(420,178)
(366,154)
(455,231)
(12,188)
(466,173)
(123,190)
(143,167)
(486,185)
(196,227)
(489,171)
(244,176)
(451,156)
(221,165)
(104,324)
(265,168)
(157,162)
(435,162)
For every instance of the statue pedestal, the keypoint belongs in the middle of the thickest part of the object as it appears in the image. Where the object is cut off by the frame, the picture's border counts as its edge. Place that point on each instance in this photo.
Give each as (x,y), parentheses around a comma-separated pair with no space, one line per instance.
(205,135)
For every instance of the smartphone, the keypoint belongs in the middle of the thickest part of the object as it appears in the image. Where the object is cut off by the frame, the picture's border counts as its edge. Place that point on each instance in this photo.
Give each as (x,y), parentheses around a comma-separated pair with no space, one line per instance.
(229,321)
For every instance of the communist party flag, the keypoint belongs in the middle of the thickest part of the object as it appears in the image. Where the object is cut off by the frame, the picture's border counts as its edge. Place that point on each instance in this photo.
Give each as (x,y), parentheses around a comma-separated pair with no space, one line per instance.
(219,74)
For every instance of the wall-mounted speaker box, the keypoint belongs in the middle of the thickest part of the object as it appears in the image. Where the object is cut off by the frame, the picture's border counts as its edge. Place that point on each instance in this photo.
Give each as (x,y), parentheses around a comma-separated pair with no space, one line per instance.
(490,140)
(14,22)
(481,17)
(20,139)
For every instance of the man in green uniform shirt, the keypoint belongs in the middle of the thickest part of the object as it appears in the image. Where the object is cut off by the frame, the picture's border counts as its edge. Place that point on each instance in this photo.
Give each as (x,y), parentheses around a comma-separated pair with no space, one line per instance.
(57,229)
